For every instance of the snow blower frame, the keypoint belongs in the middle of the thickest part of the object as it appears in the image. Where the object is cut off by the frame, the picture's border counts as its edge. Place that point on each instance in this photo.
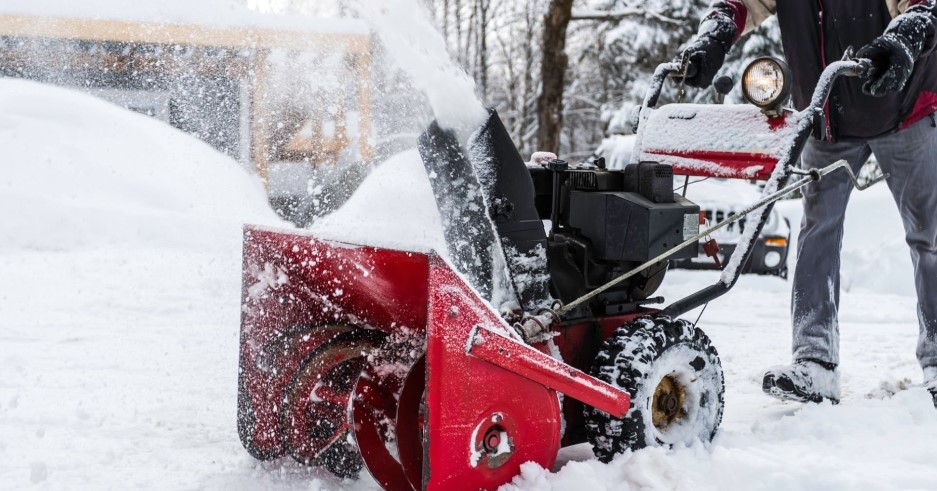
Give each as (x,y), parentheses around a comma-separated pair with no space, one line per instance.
(355,356)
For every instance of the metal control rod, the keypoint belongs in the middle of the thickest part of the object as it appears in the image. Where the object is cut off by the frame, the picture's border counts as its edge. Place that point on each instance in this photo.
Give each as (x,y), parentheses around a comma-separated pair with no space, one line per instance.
(808,177)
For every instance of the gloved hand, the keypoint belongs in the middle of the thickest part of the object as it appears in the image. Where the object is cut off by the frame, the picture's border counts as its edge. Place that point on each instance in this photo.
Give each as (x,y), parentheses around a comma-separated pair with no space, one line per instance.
(707,51)
(893,53)
(705,56)
(891,65)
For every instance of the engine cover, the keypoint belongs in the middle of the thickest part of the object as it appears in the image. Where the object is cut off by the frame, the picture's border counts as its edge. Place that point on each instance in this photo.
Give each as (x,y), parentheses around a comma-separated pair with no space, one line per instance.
(625,226)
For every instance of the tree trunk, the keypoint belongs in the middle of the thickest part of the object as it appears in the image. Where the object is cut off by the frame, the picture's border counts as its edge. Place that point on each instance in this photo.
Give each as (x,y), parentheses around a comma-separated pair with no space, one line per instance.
(457,23)
(527,93)
(552,75)
(483,48)
(445,20)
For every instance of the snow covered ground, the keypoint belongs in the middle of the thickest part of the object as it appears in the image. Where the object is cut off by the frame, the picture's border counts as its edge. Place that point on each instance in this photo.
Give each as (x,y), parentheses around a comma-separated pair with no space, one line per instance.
(119,286)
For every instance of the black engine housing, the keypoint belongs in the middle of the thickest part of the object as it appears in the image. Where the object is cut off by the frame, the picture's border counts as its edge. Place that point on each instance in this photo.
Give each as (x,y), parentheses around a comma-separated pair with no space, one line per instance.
(606,223)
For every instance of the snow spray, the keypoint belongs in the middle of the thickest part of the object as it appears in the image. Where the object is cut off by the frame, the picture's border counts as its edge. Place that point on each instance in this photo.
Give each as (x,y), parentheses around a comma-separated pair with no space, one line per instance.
(418,48)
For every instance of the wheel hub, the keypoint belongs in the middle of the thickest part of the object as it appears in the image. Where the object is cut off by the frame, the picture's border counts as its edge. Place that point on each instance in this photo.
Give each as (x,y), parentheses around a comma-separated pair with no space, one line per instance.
(667,406)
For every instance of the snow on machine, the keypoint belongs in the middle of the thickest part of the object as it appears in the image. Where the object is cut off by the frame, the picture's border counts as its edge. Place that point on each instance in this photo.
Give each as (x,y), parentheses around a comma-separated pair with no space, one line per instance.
(449,370)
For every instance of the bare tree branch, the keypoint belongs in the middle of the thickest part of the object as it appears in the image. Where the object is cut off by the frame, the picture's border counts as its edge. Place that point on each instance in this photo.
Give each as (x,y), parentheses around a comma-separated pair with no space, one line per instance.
(617,15)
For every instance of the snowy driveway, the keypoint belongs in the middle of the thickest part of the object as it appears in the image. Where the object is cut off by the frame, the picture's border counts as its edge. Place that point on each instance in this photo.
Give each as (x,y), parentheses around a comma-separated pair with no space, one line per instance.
(119,313)
(120,367)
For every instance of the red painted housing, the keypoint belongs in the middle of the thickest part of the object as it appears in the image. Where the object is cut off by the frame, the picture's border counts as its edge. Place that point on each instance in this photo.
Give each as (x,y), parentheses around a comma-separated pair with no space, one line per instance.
(292,283)
(490,401)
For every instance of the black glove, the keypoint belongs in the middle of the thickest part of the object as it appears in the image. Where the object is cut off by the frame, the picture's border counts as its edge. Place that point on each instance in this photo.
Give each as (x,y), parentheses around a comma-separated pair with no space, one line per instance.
(705,56)
(892,64)
(893,53)
(707,51)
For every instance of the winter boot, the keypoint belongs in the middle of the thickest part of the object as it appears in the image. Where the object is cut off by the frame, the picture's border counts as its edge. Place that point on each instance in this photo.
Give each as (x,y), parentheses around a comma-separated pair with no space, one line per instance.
(930,382)
(804,381)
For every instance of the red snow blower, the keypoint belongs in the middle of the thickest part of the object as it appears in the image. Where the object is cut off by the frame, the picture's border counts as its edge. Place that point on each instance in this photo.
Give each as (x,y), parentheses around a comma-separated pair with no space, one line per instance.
(449,370)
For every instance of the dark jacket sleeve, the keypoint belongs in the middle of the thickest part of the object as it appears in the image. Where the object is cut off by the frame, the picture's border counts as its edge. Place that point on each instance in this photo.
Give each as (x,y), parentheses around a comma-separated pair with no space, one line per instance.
(916,27)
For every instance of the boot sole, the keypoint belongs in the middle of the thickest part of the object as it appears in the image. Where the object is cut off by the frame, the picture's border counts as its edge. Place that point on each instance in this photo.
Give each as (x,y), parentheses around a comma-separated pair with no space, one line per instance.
(770,387)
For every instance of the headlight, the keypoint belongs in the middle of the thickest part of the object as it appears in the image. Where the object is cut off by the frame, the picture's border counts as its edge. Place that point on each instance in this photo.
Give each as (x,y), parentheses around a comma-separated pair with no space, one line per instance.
(773,259)
(766,83)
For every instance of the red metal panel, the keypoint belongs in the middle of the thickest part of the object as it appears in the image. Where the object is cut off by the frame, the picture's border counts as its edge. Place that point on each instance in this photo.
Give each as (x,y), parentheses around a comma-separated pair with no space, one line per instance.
(716,164)
(469,399)
(541,368)
(735,141)
(481,421)
(293,283)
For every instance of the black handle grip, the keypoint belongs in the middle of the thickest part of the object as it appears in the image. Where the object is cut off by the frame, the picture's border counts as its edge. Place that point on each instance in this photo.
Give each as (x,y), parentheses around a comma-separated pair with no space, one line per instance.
(863,67)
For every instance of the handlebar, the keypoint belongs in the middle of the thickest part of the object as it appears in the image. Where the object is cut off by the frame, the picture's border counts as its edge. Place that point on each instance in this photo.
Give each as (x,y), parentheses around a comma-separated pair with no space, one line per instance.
(851,68)
(804,123)
(657,82)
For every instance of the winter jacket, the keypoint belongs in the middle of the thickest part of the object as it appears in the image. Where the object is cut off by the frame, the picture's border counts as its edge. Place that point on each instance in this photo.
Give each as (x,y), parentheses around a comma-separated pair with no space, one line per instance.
(815,33)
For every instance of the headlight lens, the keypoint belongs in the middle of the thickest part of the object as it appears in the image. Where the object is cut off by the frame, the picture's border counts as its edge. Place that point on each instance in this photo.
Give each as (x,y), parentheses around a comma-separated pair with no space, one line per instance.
(766,83)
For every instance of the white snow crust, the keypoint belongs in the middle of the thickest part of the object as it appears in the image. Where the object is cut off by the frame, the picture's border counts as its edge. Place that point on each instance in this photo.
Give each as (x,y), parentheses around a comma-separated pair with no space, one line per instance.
(675,129)
(729,128)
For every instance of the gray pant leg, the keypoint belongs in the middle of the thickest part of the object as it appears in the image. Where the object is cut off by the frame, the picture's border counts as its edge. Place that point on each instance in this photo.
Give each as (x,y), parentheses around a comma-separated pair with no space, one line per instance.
(815,296)
(910,157)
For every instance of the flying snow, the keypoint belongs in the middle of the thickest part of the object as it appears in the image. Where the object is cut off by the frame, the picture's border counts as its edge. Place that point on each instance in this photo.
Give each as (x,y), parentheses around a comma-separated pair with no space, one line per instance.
(410,37)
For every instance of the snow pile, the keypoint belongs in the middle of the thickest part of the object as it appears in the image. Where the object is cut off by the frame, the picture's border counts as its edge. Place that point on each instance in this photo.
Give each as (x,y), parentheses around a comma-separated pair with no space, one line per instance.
(880,444)
(722,192)
(394,208)
(80,173)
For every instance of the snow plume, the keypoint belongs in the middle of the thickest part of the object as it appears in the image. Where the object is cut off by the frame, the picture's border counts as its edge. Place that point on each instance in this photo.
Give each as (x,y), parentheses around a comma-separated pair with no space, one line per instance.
(412,40)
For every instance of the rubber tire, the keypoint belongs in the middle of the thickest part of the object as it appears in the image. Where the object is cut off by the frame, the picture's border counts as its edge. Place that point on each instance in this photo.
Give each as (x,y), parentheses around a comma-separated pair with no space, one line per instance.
(342,459)
(633,354)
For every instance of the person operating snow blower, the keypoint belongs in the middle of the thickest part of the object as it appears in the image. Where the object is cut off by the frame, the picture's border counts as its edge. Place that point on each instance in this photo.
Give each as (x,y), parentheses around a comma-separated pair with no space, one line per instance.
(890,114)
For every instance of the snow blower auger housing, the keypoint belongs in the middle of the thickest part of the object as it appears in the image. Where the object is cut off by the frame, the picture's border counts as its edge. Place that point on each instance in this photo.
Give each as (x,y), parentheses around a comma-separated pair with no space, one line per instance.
(448,370)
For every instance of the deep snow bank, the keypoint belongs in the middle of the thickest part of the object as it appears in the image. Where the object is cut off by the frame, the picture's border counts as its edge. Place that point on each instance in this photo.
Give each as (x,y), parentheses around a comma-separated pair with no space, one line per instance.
(77,172)
(394,207)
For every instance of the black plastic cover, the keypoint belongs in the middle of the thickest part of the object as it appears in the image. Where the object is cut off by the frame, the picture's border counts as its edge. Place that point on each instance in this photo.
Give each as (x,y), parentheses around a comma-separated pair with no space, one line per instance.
(509,190)
(625,226)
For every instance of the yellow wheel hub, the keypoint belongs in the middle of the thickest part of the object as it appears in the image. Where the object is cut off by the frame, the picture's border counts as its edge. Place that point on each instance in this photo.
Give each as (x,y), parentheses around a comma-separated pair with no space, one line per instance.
(667,407)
